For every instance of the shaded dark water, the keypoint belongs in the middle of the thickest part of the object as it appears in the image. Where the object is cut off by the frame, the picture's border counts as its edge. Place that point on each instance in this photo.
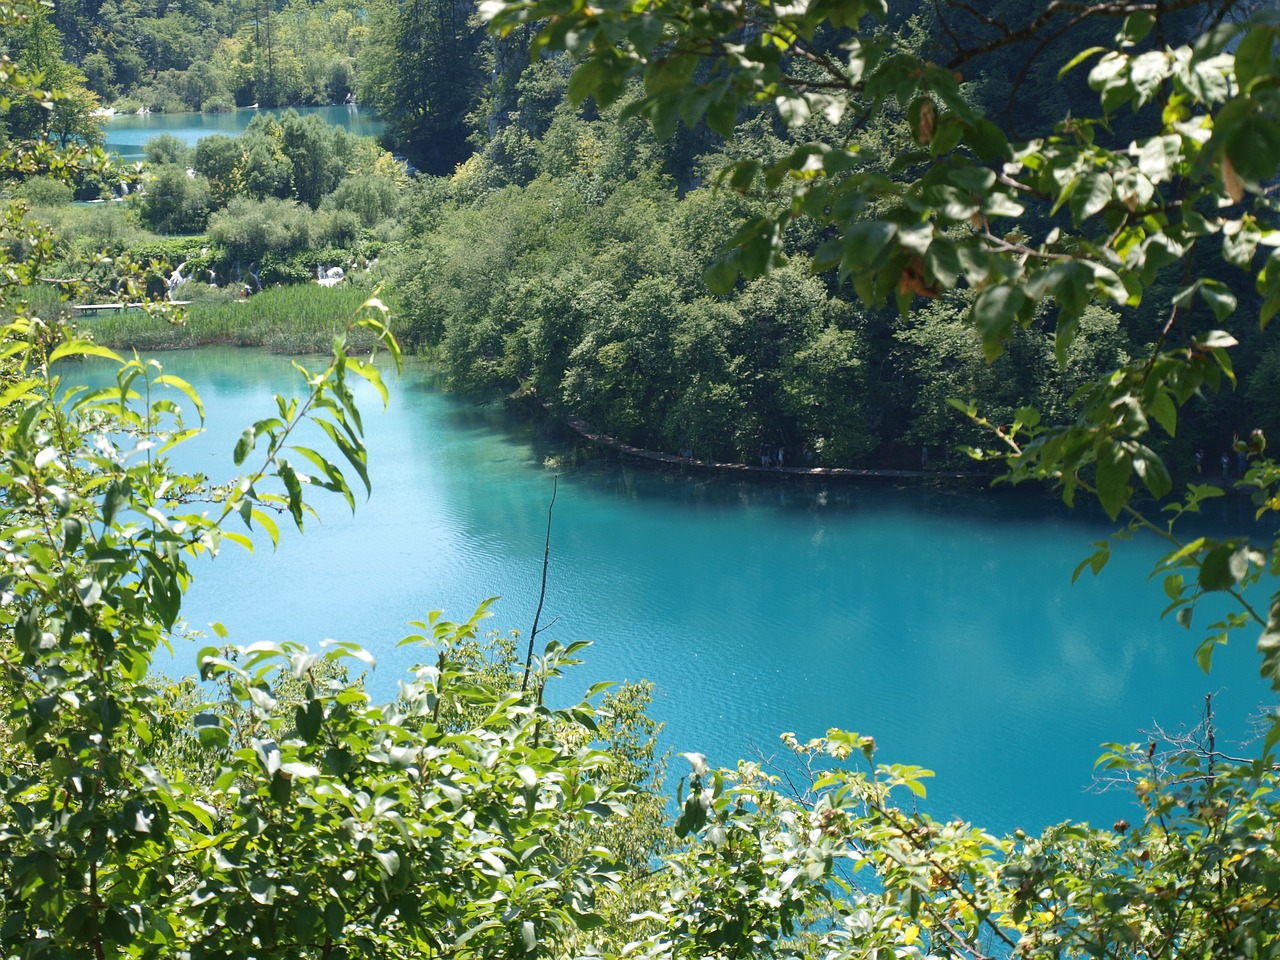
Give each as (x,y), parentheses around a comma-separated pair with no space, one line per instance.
(944,624)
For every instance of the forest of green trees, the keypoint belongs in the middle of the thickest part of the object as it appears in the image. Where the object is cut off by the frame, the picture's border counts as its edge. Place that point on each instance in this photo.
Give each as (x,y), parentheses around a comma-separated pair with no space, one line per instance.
(605,230)
(1042,236)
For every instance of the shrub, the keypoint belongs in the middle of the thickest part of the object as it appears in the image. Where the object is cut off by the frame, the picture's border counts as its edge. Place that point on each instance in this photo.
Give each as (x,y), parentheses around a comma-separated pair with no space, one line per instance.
(222,103)
(167,148)
(45,192)
(250,229)
(371,198)
(175,202)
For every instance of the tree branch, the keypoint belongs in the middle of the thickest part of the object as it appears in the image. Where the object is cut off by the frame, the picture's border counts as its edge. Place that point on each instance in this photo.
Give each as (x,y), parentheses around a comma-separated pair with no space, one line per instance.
(546,559)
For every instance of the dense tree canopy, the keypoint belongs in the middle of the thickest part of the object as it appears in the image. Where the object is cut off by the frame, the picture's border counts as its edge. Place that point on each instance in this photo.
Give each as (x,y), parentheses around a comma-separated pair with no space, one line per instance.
(422,71)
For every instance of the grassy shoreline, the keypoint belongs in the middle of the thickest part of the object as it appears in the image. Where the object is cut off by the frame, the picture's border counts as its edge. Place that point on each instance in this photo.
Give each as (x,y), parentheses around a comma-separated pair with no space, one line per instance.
(295,319)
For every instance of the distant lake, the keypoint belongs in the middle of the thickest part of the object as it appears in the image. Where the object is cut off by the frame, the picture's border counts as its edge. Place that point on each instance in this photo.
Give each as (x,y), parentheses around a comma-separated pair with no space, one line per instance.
(944,623)
(128,133)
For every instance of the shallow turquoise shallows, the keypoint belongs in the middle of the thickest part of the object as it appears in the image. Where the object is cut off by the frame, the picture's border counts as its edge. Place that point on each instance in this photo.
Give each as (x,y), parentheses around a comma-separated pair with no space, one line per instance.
(944,624)
(128,133)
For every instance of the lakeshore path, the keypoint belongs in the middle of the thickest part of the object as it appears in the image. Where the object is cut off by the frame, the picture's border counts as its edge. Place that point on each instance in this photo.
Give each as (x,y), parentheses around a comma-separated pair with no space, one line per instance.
(584,430)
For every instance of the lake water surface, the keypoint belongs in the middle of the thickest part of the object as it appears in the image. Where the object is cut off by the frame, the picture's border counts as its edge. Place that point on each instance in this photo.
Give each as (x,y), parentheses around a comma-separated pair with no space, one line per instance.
(128,133)
(944,624)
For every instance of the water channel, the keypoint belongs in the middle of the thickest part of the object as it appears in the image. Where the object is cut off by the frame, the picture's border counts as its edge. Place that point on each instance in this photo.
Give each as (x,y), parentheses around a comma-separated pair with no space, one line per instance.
(128,133)
(943,623)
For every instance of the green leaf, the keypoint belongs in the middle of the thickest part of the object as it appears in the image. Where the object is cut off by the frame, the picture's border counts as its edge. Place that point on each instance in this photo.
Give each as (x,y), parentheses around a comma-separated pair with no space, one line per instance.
(1114,468)
(667,74)
(1253,144)
(1253,55)
(118,495)
(988,141)
(82,348)
(722,115)
(168,380)
(1158,158)
(1135,29)
(1269,647)
(1080,58)
(1165,412)
(371,374)
(309,719)
(722,274)
(1218,569)
(693,816)
(1219,298)
(245,445)
(335,918)
(1152,471)
(1091,195)
(793,109)
(1095,561)
(1147,73)
(262,890)
(265,520)
(994,311)
(867,242)
(305,771)
(88,592)
(389,860)
(294,488)
(585,80)
(72,531)
(355,454)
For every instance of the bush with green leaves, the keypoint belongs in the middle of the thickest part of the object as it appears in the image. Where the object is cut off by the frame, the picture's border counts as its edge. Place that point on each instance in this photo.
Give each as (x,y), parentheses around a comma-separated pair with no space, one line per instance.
(325,826)
(175,201)
(370,197)
(46,192)
(166,148)
(249,229)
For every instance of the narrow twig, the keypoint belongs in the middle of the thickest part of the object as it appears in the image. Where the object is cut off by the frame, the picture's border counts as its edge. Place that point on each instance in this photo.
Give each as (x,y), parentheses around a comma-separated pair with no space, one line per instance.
(1035,29)
(546,560)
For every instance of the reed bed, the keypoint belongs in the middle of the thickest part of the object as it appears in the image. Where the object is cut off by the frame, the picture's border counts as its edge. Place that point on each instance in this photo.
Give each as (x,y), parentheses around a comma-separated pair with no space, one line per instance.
(295,319)
(42,301)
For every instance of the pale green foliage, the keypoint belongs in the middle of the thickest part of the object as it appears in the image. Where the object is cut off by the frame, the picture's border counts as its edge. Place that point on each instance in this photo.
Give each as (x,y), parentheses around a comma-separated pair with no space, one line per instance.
(599,310)
(252,228)
(846,868)
(56,105)
(174,202)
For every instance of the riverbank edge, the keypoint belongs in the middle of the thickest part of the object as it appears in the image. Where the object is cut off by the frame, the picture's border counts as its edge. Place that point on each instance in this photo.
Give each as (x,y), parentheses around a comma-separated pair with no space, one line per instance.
(586,432)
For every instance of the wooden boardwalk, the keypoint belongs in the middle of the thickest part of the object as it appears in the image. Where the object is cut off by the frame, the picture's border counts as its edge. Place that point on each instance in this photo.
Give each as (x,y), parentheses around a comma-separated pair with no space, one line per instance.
(584,430)
(93,309)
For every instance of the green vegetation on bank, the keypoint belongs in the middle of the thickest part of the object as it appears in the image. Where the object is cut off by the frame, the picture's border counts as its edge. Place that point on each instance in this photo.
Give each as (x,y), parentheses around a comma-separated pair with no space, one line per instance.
(241,228)
(298,319)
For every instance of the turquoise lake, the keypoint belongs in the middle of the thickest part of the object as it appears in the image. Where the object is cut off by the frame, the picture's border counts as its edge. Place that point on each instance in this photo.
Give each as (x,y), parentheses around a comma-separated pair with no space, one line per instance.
(943,623)
(128,133)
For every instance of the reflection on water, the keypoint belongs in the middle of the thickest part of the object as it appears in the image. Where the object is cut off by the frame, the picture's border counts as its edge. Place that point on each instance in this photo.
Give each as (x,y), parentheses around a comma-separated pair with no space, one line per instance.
(942,623)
